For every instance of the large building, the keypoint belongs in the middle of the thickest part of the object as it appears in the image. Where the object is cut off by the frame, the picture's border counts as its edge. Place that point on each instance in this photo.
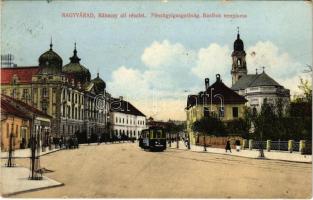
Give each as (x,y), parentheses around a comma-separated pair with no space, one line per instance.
(256,88)
(76,102)
(216,100)
(126,119)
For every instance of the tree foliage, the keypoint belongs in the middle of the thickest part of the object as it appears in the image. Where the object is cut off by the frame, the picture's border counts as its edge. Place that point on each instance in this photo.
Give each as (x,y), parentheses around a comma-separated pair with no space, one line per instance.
(209,125)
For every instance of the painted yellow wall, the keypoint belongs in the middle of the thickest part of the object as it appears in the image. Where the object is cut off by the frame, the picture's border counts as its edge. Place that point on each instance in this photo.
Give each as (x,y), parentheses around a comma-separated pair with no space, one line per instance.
(18,125)
(197,112)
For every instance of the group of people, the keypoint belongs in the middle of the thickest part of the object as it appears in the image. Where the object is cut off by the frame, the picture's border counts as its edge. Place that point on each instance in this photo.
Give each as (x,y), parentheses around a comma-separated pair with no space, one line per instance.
(68,143)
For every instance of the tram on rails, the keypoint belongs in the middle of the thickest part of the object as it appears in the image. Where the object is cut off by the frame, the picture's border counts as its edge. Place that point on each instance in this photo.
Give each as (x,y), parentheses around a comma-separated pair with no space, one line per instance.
(153,139)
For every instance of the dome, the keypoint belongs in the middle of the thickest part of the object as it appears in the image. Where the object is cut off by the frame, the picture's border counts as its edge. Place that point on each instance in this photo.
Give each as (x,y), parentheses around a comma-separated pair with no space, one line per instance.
(99,84)
(50,58)
(75,69)
(238,44)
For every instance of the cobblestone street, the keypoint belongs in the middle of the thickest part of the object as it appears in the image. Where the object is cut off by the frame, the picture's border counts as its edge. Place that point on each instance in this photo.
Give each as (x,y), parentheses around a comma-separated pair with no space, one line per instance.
(124,170)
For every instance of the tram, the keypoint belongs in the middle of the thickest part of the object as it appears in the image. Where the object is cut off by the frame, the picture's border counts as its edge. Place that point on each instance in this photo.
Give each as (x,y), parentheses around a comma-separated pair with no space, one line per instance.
(153,139)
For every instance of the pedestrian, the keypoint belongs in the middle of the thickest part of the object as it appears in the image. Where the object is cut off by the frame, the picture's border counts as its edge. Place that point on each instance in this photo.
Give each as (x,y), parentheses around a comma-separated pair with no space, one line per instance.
(60,143)
(99,139)
(227,147)
(237,145)
(88,140)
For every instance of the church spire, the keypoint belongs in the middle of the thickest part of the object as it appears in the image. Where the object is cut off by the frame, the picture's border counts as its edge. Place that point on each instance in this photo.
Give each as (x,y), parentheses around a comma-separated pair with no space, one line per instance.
(75,58)
(239,66)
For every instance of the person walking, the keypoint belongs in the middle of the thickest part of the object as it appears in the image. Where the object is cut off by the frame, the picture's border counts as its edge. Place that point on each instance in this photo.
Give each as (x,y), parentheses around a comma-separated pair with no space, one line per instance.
(227,147)
(237,145)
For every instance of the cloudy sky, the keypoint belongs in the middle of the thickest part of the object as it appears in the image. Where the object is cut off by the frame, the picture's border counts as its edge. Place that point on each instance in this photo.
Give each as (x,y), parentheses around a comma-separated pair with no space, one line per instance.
(156,62)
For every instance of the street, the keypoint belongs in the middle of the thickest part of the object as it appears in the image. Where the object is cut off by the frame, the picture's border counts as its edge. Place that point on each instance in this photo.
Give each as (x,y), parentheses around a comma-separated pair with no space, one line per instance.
(124,170)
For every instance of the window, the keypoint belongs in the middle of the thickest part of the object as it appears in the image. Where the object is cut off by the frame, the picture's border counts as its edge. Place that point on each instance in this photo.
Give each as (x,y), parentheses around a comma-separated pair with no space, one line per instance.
(14,94)
(235,112)
(44,92)
(44,107)
(25,93)
(116,120)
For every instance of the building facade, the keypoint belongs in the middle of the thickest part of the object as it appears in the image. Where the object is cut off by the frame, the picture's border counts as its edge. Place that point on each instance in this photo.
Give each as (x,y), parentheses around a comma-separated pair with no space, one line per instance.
(256,88)
(77,103)
(216,100)
(20,119)
(126,119)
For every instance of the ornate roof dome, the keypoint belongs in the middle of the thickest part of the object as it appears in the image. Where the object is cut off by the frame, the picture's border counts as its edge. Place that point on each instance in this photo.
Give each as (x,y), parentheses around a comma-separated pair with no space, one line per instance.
(50,58)
(238,44)
(75,69)
(99,84)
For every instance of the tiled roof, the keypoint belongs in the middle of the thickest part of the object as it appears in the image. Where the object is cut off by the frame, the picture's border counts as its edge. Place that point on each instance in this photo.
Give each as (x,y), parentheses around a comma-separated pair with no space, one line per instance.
(24,74)
(254,80)
(23,107)
(8,108)
(122,106)
(219,89)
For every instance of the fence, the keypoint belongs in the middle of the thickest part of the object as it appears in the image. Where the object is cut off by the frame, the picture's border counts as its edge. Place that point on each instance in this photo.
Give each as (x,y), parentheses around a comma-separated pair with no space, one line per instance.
(302,146)
(218,142)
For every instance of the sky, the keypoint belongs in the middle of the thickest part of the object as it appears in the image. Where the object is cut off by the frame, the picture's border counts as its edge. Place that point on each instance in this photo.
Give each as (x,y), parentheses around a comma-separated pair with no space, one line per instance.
(156,62)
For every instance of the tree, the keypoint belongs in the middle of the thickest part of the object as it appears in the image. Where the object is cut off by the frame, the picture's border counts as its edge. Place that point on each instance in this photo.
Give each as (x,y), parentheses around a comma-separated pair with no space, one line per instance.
(239,127)
(209,125)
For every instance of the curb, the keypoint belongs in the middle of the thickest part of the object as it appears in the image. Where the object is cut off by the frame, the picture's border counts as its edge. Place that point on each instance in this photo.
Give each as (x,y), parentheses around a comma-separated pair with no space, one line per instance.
(21,157)
(32,190)
(306,162)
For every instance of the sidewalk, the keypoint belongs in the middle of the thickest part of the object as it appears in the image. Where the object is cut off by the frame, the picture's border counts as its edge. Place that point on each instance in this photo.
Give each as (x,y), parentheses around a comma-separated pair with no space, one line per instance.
(15,180)
(273,155)
(25,153)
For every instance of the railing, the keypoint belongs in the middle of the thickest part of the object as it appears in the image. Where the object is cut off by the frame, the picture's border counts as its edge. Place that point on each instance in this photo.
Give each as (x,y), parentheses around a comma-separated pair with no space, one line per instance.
(280,145)
(259,144)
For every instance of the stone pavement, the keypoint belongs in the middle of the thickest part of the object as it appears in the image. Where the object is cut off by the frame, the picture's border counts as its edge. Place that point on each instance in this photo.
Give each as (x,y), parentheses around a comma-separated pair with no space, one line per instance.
(24,153)
(275,155)
(14,180)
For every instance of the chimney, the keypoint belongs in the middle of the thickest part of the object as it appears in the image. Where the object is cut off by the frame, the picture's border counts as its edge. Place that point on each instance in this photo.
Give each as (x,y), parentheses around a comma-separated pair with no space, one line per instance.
(207,83)
(218,77)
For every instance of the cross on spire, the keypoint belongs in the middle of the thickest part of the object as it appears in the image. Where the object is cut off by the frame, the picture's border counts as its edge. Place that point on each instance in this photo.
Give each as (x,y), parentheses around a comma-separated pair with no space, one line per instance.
(238,35)
(51,43)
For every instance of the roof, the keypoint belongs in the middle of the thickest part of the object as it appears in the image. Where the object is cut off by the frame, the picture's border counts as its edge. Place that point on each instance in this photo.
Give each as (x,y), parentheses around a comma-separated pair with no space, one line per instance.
(99,84)
(23,107)
(219,89)
(24,74)
(254,80)
(8,108)
(119,105)
(50,57)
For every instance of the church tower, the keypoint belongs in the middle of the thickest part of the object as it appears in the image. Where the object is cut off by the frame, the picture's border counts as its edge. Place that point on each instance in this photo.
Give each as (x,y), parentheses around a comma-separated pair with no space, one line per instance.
(239,66)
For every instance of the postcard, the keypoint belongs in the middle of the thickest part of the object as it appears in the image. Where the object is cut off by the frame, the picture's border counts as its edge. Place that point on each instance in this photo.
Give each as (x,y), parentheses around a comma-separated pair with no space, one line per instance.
(156,99)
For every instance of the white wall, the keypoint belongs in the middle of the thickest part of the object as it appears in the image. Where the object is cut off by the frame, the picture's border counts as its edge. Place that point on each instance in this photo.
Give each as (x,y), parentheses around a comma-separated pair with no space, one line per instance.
(130,125)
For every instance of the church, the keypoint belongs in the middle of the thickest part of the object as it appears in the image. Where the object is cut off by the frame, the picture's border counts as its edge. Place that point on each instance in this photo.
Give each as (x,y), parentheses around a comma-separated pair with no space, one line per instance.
(258,87)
